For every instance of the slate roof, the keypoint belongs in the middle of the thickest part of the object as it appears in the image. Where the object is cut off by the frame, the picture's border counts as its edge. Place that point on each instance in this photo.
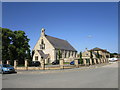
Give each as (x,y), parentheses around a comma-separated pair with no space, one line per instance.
(59,43)
(98,49)
(42,54)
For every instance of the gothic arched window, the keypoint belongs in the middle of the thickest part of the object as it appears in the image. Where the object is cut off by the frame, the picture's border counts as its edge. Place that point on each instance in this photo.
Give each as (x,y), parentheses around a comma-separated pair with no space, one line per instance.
(42,42)
(42,45)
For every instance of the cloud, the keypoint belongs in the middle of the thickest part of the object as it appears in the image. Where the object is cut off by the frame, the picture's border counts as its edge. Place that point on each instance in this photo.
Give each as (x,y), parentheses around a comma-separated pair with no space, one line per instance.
(89,36)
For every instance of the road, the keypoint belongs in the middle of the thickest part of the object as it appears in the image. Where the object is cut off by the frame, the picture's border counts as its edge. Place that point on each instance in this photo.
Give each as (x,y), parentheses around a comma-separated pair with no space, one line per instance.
(98,77)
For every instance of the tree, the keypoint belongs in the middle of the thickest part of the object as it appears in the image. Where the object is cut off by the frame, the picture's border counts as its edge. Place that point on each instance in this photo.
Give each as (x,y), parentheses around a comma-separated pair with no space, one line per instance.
(59,54)
(15,46)
(112,54)
(32,53)
(22,46)
(81,60)
(91,56)
(98,55)
(7,36)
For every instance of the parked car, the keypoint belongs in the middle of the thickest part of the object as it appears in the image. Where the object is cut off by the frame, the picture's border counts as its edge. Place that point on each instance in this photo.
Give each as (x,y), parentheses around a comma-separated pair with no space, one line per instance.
(6,68)
(35,63)
(113,59)
(55,62)
(72,63)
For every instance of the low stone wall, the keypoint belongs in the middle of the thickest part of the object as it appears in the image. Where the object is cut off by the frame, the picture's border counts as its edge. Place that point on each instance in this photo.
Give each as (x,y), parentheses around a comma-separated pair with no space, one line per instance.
(46,68)
(62,64)
(28,68)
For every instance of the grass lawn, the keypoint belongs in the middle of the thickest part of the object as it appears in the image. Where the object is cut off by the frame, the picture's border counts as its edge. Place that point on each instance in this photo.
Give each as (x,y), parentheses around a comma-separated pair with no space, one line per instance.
(66,63)
(21,65)
(49,64)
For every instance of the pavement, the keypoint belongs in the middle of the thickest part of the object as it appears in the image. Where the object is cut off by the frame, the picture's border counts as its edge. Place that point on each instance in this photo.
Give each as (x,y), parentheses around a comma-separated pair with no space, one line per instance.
(96,76)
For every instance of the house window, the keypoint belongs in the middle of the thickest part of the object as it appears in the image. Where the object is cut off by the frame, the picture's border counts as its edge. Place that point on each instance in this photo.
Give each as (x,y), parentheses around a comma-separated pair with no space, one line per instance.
(36,58)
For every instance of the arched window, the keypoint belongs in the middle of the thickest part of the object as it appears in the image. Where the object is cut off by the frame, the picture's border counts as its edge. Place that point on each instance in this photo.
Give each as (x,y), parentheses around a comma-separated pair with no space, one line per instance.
(68,53)
(42,42)
(65,54)
(56,55)
(36,58)
(42,45)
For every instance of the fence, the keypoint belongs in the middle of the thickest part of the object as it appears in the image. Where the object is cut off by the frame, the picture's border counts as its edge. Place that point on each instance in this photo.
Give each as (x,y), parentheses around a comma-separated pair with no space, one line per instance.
(61,65)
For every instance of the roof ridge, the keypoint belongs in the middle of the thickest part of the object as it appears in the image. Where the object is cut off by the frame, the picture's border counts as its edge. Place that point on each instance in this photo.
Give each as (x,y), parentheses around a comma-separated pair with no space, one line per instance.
(55,37)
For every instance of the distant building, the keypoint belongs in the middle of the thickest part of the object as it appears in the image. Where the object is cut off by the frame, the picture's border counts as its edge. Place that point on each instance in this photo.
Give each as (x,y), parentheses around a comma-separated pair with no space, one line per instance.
(115,55)
(102,53)
(86,54)
(47,47)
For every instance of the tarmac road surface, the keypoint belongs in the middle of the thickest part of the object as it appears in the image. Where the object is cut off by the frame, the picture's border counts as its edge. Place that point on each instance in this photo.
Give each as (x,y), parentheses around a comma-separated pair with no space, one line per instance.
(97,77)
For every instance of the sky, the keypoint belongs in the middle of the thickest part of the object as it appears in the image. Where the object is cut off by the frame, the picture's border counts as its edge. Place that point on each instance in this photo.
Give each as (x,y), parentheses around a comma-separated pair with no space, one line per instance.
(82,24)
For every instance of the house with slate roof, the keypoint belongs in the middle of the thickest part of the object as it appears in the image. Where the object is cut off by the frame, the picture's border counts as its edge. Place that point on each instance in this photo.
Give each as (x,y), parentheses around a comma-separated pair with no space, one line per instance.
(102,52)
(47,47)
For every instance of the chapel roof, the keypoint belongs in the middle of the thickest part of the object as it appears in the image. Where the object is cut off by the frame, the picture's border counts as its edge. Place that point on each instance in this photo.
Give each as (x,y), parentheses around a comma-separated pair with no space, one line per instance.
(59,43)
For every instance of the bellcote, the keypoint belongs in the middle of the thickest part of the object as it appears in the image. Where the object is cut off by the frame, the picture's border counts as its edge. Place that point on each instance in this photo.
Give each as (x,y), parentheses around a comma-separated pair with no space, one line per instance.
(42,32)
(86,49)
